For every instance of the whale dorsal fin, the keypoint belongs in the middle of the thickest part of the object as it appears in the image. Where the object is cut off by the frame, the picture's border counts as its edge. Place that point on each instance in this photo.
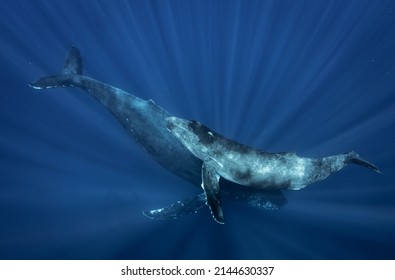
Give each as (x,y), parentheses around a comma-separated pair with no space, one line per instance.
(210,185)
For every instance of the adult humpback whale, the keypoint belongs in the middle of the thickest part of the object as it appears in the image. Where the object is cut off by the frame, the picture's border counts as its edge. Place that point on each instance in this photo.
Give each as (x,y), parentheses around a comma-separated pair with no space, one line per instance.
(250,167)
(146,123)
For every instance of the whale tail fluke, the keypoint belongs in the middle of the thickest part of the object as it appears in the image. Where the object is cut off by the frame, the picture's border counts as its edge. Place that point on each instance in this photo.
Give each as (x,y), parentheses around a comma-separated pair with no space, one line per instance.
(72,67)
(73,63)
(353,157)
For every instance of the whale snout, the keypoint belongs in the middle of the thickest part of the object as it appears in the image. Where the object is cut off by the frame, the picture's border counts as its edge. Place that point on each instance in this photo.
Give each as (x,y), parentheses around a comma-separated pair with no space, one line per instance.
(182,129)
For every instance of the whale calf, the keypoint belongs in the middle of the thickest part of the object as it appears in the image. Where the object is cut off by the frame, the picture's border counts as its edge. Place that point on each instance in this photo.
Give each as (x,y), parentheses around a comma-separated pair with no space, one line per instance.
(251,167)
(146,123)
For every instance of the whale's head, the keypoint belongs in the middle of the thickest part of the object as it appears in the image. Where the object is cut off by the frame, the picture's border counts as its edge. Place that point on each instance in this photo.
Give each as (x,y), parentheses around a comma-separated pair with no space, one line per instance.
(196,137)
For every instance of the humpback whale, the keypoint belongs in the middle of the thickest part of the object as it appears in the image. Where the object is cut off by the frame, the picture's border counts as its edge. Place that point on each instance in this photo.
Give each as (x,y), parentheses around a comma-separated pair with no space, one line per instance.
(146,123)
(251,167)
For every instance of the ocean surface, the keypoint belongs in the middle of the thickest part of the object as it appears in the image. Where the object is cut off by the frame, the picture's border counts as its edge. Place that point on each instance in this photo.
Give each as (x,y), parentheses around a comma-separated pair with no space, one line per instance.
(312,77)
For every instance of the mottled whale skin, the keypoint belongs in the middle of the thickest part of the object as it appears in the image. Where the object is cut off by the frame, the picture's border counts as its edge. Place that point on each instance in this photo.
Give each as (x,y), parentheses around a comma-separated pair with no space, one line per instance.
(251,167)
(142,120)
(146,122)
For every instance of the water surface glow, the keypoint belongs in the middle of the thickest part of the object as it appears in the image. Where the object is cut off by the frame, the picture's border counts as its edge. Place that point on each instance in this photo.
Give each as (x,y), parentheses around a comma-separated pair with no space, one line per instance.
(315,77)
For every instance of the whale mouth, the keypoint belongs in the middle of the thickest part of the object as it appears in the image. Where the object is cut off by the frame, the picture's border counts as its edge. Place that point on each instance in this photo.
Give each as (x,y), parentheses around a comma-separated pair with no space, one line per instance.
(174,123)
(182,130)
(170,124)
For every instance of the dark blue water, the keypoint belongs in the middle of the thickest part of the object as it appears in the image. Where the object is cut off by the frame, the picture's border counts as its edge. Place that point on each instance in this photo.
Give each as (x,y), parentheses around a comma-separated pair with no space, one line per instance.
(315,77)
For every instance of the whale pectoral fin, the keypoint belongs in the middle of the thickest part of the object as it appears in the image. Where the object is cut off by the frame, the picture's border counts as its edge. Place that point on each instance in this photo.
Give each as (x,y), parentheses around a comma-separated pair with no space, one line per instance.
(210,185)
(178,209)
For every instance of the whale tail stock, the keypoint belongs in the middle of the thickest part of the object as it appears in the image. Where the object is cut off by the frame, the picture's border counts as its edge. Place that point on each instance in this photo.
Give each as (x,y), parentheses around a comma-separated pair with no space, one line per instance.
(72,68)
(353,157)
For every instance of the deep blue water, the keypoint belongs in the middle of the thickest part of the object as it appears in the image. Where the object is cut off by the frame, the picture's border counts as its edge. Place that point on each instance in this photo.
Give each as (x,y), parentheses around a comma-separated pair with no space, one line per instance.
(314,77)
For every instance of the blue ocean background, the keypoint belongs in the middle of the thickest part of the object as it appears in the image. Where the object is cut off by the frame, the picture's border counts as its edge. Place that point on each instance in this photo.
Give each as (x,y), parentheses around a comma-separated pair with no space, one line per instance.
(313,77)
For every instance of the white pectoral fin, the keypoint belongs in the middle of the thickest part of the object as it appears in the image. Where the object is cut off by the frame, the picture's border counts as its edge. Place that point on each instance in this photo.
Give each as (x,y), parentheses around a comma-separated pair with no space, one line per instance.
(210,185)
